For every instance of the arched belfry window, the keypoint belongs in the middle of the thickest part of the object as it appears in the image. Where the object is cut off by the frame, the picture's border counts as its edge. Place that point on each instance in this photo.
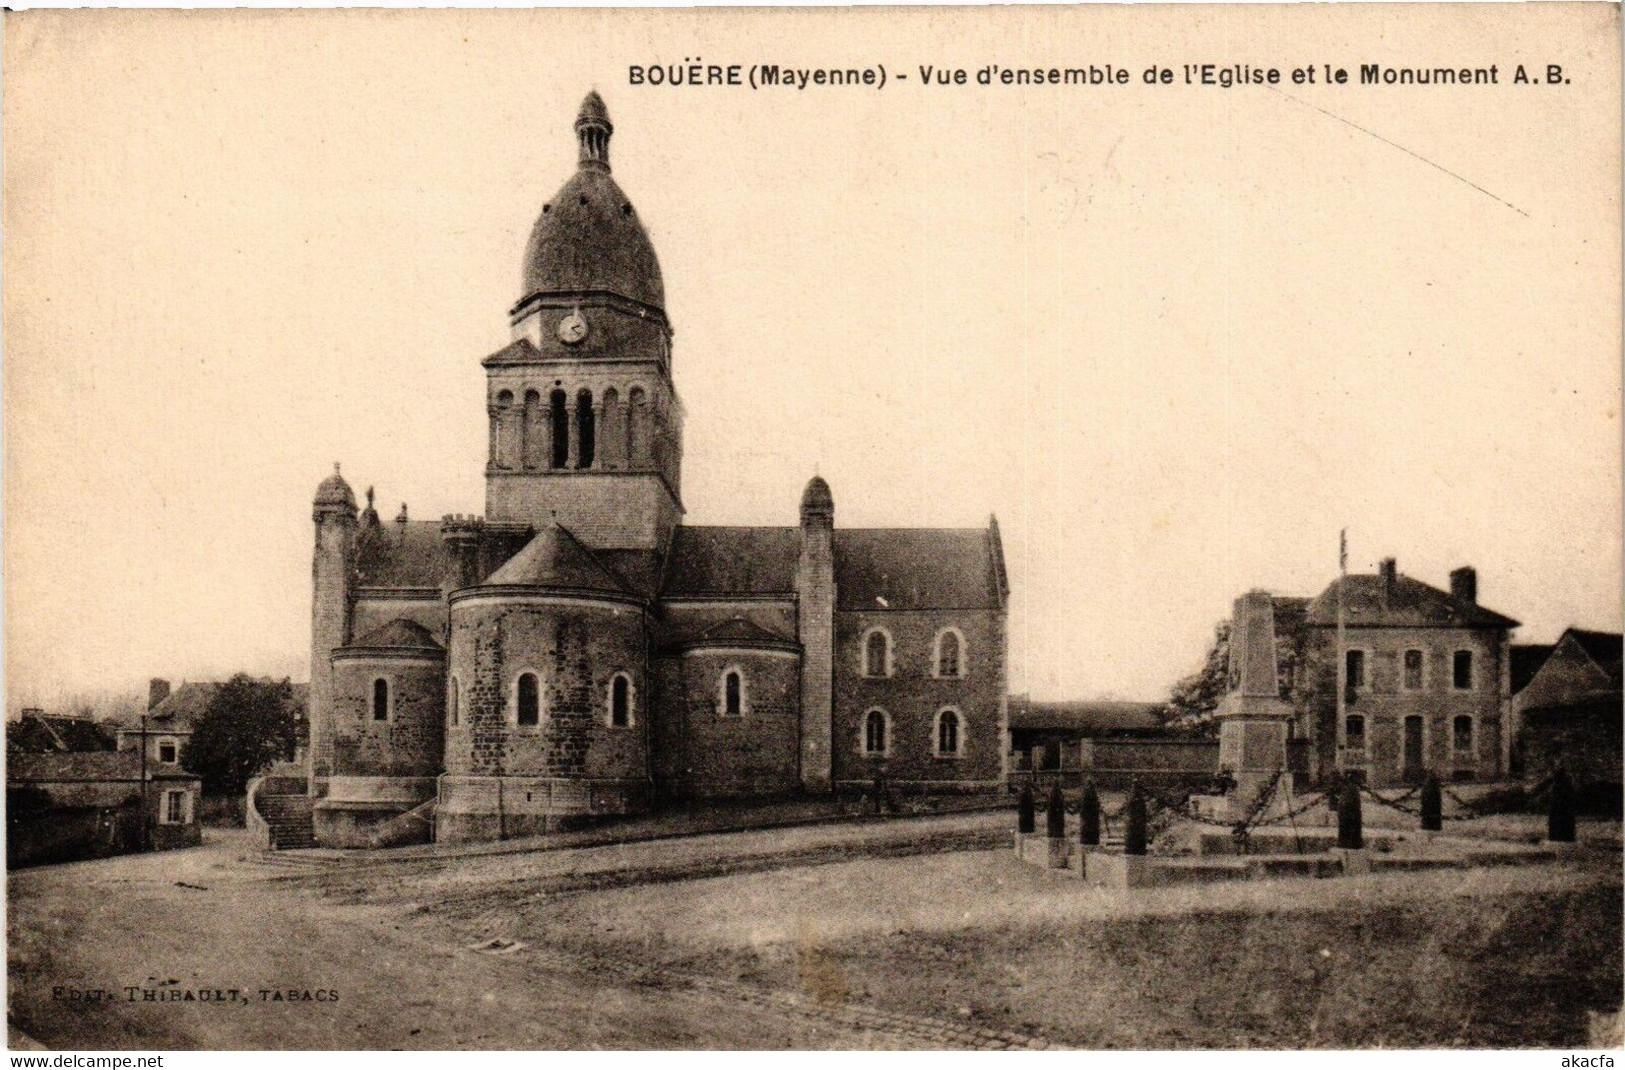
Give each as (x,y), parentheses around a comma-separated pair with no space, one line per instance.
(876,733)
(950,653)
(559,416)
(949,734)
(620,701)
(637,428)
(506,431)
(611,432)
(527,700)
(380,699)
(877,653)
(532,445)
(586,430)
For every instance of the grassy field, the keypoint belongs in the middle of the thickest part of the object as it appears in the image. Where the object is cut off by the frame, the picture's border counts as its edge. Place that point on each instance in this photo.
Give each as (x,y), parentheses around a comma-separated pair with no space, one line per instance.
(698,943)
(1506,956)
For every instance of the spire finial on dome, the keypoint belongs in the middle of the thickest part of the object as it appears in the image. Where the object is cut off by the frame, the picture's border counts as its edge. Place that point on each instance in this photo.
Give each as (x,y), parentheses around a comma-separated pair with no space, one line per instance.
(593,129)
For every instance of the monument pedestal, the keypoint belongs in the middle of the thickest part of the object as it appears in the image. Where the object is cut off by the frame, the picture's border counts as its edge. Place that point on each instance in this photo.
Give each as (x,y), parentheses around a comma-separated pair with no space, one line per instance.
(1252,718)
(1252,748)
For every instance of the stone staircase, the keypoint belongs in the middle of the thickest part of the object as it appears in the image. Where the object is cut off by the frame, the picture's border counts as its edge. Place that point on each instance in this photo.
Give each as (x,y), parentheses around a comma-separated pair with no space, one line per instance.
(289,819)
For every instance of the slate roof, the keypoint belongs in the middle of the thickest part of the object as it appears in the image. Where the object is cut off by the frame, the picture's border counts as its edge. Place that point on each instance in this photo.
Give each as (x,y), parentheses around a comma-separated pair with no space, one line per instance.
(87,766)
(1410,604)
(876,569)
(179,710)
(1525,661)
(915,568)
(556,558)
(47,734)
(589,238)
(1604,648)
(387,556)
(519,351)
(1089,718)
(334,491)
(735,631)
(732,561)
(399,633)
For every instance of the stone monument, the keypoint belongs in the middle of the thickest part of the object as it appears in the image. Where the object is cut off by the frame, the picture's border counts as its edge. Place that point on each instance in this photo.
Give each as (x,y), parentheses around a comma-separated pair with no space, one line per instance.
(1252,717)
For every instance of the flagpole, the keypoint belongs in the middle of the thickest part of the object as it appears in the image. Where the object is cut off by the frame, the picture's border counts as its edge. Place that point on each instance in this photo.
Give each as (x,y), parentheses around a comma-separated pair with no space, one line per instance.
(1341,667)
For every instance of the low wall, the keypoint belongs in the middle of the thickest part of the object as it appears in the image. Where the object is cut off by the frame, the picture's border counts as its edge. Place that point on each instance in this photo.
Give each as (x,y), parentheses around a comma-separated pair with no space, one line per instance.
(1160,763)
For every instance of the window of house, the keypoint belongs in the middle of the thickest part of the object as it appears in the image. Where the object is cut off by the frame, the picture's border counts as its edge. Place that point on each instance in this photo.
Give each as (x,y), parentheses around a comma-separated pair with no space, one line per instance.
(1354,669)
(1461,734)
(733,693)
(380,699)
(874,732)
(948,734)
(620,701)
(1462,670)
(166,751)
(1354,732)
(454,697)
(1413,670)
(528,700)
(877,654)
(173,811)
(950,653)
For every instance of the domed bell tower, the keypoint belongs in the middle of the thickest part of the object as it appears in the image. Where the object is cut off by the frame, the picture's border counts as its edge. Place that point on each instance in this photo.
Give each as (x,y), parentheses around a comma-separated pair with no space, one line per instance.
(585,422)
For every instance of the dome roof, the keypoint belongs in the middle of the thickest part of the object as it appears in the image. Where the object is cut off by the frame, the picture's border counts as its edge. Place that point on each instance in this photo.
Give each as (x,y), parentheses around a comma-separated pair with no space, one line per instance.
(399,632)
(817,496)
(588,236)
(555,558)
(334,491)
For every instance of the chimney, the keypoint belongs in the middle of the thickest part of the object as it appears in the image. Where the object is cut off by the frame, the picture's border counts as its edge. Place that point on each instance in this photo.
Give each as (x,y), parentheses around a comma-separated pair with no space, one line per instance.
(1464,585)
(1390,575)
(157,691)
(400,523)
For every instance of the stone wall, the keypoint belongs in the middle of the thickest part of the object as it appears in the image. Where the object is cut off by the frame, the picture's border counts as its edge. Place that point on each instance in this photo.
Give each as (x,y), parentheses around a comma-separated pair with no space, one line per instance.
(911,697)
(574,647)
(411,742)
(704,753)
(1385,703)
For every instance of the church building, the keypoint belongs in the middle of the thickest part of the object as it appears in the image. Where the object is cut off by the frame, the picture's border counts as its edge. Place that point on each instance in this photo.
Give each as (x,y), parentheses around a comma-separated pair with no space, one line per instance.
(579,652)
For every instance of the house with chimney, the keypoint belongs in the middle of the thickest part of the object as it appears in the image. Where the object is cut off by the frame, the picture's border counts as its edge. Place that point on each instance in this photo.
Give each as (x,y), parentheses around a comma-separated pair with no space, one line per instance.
(1424,675)
(172,716)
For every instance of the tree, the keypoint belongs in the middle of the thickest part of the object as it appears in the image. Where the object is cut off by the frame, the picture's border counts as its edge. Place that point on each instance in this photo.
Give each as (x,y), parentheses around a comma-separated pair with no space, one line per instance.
(247,725)
(1193,699)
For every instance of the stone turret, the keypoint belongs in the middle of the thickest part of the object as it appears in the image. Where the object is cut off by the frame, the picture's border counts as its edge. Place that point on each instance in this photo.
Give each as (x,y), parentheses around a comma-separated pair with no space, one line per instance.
(332,570)
(815,625)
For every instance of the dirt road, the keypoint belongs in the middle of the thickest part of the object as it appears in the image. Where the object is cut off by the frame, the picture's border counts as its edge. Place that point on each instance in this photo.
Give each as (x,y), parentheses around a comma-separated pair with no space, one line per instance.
(316,966)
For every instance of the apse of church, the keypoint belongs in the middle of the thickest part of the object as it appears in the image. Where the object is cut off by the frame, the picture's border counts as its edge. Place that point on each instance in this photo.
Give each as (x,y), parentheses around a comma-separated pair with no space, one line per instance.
(579,652)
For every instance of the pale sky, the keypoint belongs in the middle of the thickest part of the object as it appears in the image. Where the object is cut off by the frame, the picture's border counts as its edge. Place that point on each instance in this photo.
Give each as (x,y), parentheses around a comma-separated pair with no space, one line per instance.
(1174,338)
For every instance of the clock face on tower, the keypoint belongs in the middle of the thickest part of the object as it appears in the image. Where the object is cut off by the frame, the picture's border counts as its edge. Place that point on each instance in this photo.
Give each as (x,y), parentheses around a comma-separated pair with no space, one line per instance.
(573,328)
